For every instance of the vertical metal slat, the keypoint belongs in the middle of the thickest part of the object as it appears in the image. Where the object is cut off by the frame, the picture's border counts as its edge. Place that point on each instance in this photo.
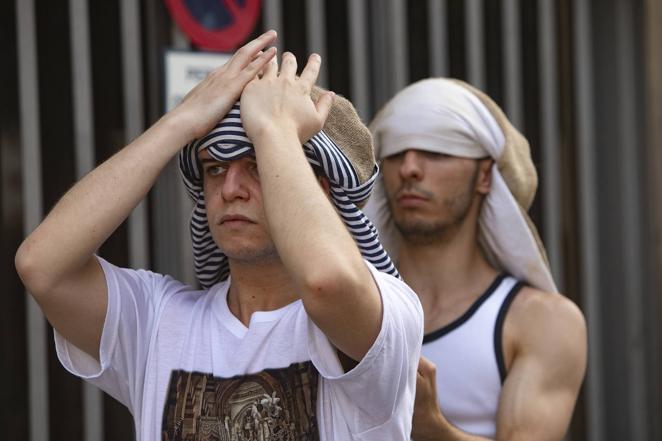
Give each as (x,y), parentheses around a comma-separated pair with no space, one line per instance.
(183,203)
(582,31)
(653,56)
(475,39)
(438,41)
(627,116)
(134,119)
(549,119)
(33,212)
(273,19)
(82,90)
(512,62)
(388,49)
(171,207)
(85,161)
(316,36)
(397,39)
(358,38)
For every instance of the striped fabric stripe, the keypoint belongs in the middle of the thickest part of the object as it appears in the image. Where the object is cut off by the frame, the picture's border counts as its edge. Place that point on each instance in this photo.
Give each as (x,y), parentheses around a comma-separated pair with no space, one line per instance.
(228,141)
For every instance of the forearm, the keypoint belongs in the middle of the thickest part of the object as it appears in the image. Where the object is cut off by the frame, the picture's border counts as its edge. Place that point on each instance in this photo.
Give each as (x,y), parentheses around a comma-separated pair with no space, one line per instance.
(336,287)
(91,210)
(310,237)
(438,428)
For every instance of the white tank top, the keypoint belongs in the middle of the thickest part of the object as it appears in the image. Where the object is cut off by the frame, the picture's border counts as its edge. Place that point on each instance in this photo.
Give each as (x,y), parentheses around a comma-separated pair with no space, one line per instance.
(469,357)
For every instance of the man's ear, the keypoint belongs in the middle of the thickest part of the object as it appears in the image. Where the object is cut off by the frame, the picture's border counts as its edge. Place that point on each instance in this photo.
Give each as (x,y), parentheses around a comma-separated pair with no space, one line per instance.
(484,176)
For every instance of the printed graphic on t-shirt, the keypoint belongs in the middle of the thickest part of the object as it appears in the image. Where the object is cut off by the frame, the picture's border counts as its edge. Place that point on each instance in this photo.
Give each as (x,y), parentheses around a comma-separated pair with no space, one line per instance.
(272,405)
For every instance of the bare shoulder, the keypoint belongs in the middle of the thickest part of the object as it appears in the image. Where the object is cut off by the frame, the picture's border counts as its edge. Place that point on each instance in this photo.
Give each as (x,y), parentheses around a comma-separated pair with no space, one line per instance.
(548,326)
(534,309)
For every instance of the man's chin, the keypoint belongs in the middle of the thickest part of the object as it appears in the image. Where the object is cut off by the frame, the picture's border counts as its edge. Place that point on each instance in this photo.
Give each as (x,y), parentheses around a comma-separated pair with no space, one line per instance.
(247,254)
(418,230)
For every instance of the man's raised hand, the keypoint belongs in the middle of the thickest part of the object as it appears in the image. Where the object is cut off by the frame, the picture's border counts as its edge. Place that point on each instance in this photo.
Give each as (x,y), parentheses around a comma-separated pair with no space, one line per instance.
(282,101)
(214,96)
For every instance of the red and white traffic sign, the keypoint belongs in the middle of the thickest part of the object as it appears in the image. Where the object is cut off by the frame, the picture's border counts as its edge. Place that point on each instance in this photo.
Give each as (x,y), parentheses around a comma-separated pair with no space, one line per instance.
(221,25)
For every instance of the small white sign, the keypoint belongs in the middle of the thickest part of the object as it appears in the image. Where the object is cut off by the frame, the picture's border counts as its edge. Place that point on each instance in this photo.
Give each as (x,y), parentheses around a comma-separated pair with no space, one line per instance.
(184,69)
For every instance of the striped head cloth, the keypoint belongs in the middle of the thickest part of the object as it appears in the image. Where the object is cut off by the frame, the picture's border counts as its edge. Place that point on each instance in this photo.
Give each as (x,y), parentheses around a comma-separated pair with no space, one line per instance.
(351,176)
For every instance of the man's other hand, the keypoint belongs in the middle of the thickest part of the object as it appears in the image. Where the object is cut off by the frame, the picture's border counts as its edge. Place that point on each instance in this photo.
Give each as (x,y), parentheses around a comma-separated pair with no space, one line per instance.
(209,101)
(281,101)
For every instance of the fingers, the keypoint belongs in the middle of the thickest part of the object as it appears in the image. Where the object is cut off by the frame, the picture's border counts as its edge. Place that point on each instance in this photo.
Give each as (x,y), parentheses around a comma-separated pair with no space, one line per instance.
(323,105)
(247,53)
(260,63)
(427,372)
(426,368)
(311,71)
(271,69)
(288,65)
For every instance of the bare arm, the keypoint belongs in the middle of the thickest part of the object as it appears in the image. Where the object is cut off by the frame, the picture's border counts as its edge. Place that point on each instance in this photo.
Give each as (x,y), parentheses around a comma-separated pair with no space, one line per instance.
(548,335)
(548,367)
(56,260)
(336,287)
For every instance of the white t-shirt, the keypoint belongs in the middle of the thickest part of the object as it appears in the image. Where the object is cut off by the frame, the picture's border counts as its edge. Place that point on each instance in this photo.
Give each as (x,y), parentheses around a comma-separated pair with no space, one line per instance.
(184,364)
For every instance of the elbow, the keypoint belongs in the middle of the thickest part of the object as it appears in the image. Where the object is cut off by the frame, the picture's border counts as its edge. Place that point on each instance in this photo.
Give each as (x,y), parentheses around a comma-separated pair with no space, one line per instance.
(330,282)
(30,270)
(23,262)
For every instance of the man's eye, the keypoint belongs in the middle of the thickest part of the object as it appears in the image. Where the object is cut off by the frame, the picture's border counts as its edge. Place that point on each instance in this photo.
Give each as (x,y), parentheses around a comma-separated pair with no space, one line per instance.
(438,156)
(395,158)
(215,170)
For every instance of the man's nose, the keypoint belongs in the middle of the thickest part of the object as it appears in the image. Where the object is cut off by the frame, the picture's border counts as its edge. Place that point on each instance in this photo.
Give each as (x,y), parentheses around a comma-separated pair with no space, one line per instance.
(234,182)
(411,166)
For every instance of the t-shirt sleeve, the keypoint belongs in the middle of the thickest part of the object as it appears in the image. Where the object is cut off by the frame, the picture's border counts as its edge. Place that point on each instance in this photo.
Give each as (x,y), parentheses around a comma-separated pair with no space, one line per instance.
(133,303)
(386,375)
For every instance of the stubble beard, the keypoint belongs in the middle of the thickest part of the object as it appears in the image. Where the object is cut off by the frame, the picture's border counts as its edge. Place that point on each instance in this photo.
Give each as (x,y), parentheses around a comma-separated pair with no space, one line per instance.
(253,256)
(423,232)
(248,253)
(427,232)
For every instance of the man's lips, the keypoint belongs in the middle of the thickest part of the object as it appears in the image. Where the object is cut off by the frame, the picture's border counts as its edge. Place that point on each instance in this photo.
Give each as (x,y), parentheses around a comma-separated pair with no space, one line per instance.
(411,200)
(235,219)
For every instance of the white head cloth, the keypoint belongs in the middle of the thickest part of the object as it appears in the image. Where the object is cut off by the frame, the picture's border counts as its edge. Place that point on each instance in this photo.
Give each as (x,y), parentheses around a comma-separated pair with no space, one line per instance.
(444,116)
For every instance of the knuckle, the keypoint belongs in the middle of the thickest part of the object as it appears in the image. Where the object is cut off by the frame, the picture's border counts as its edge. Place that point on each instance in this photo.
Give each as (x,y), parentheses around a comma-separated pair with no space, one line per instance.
(426,366)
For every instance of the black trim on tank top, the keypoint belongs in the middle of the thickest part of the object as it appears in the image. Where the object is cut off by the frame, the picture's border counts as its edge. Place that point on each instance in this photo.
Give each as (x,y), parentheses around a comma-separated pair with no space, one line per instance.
(434,335)
(498,329)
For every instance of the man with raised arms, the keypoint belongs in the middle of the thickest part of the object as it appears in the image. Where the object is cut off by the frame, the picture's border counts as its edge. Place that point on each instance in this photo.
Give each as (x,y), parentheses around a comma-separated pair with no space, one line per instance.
(295,335)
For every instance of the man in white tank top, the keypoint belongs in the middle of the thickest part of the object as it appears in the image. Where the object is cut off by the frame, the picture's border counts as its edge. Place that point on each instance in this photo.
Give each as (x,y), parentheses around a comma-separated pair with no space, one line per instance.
(504,354)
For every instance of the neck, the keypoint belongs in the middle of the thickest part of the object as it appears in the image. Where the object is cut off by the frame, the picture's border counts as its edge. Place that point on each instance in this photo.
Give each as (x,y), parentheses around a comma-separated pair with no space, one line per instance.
(447,270)
(263,286)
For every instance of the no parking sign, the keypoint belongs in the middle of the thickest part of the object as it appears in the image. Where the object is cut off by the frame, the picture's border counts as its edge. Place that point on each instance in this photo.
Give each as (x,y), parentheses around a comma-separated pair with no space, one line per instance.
(220,25)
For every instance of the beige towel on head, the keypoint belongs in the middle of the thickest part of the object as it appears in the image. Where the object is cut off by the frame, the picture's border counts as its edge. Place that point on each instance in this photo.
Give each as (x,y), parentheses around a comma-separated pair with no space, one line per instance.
(451,117)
